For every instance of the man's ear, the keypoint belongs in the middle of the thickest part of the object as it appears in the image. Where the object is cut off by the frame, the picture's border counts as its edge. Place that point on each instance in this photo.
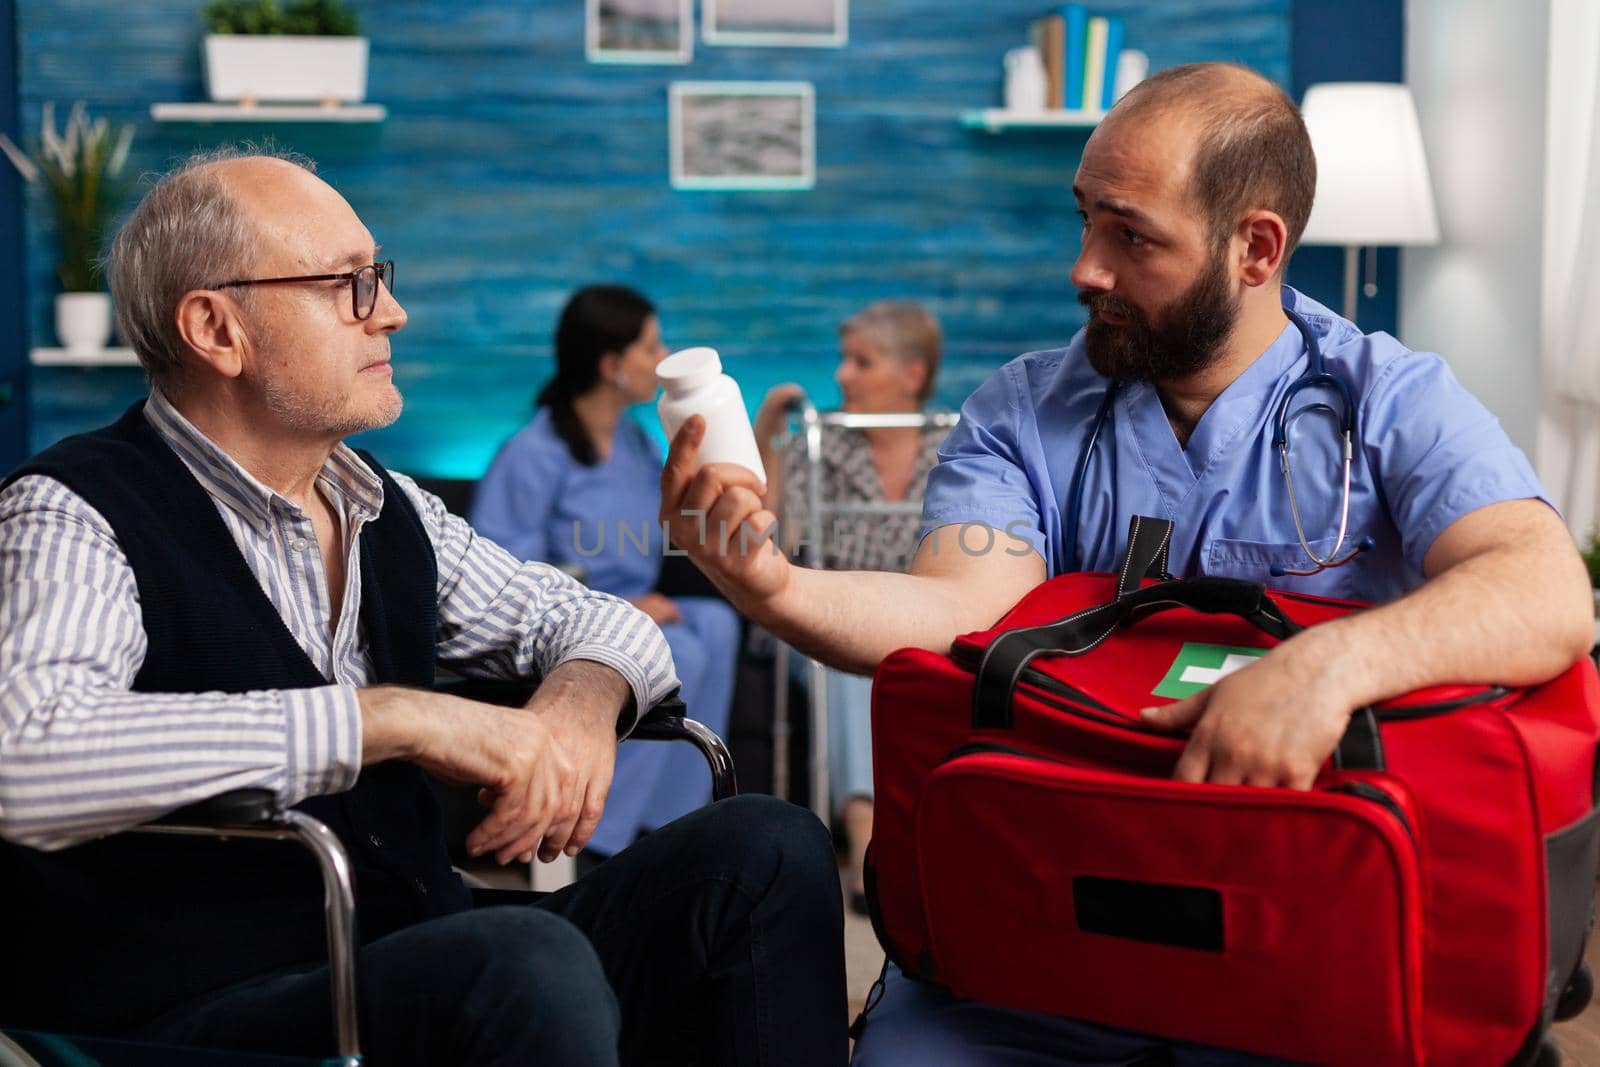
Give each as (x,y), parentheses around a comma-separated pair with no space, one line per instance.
(210,324)
(1262,239)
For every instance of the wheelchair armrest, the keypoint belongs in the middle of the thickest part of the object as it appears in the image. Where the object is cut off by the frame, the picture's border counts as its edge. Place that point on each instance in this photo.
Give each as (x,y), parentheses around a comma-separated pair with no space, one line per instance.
(660,723)
(255,813)
(666,722)
(235,809)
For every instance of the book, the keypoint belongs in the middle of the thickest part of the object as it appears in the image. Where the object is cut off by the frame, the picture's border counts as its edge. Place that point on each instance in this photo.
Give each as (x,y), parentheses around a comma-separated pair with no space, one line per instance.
(1114,34)
(1048,35)
(1076,18)
(1094,63)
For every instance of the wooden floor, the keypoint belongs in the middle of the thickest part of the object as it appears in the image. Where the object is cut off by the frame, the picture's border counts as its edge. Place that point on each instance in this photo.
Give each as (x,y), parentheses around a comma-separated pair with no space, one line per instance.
(1580,1038)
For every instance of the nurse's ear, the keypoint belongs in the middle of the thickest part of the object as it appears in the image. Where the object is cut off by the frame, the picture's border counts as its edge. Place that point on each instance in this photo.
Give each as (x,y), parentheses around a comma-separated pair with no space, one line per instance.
(1259,243)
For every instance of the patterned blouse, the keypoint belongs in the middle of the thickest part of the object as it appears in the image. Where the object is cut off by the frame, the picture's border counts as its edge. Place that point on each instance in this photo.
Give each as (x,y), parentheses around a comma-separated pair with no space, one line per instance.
(855,542)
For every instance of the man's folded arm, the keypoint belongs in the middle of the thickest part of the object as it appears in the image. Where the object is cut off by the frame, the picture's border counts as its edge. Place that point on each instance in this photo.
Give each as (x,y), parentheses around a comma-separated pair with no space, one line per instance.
(500,617)
(80,755)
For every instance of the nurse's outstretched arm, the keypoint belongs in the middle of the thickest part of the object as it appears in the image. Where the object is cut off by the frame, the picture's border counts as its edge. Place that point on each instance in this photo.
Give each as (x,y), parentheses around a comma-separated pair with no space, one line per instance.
(846,619)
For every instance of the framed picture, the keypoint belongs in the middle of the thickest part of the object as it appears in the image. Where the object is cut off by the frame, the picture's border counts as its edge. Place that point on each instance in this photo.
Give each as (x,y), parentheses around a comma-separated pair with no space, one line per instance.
(743,135)
(780,23)
(639,31)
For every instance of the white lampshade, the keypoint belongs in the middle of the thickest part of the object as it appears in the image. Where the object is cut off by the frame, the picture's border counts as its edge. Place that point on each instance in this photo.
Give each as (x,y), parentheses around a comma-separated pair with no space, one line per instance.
(1372,175)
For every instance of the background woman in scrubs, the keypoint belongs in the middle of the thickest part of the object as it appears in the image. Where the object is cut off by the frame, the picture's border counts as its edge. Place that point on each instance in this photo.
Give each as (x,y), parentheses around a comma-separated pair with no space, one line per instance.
(580,484)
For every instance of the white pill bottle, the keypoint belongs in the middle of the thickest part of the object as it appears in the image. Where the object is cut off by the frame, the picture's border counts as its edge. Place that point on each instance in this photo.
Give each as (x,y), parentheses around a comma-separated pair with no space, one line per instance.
(695,385)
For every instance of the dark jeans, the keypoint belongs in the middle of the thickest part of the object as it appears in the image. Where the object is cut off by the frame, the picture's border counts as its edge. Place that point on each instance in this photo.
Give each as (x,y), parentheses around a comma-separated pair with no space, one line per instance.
(717,939)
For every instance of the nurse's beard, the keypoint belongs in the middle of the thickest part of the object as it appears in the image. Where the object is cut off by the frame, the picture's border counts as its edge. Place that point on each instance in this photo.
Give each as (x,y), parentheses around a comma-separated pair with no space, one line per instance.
(1194,327)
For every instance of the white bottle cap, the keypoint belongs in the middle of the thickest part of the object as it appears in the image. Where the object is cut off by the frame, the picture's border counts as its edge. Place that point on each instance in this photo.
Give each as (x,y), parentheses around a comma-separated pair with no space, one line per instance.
(686,371)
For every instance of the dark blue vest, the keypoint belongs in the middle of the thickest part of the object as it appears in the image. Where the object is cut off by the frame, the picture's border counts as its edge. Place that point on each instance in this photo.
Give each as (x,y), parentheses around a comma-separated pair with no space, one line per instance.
(106,935)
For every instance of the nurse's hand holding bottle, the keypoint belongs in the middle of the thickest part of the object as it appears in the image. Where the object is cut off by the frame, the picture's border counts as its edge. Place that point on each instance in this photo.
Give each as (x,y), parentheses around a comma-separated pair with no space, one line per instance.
(716,515)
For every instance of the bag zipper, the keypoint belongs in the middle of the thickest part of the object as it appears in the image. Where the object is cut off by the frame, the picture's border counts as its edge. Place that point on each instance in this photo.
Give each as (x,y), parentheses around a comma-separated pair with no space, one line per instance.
(1368,791)
(1489,695)
(1364,790)
(1082,704)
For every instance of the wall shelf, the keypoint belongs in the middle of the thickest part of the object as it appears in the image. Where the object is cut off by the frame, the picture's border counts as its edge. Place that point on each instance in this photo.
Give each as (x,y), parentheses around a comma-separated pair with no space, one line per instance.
(994,120)
(60,357)
(207,112)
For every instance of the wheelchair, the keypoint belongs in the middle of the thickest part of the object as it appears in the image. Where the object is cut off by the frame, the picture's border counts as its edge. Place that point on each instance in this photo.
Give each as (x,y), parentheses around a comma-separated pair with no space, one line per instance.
(254,813)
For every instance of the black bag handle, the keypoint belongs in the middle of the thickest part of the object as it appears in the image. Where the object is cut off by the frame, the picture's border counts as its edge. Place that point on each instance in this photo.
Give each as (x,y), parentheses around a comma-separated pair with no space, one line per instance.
(1010,652)
(1074,635)
(1147,547)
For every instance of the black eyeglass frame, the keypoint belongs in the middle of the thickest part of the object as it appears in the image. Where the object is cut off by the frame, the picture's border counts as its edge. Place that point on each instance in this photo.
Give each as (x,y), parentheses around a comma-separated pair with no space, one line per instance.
(384,271)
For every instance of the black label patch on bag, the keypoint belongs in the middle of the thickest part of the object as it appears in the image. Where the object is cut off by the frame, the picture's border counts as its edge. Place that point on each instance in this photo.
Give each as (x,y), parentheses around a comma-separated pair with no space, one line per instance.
(1183,916)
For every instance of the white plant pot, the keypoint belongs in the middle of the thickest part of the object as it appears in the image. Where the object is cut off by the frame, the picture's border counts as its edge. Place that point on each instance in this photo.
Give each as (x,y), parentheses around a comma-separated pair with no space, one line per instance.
(276,69)
(83,322)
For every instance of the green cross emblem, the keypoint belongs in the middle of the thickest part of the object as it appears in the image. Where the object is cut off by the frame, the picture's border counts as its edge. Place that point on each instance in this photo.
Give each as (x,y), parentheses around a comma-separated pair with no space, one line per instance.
(1199,666)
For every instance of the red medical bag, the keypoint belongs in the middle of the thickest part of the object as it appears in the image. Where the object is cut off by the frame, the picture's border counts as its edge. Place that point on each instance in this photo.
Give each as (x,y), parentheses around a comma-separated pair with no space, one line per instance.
(1426,903)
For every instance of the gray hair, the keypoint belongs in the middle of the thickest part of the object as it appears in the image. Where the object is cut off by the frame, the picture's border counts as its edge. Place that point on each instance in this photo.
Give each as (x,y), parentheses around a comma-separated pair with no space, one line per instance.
(187,233)
(904,330)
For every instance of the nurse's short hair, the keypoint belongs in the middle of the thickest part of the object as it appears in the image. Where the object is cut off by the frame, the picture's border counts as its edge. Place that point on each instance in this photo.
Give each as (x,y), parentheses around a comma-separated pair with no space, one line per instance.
(189,232)
(904,330)
(1253,150)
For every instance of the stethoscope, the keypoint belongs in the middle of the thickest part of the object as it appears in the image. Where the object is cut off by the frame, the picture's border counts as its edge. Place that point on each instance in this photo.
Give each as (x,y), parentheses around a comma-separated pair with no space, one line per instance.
(1316,376)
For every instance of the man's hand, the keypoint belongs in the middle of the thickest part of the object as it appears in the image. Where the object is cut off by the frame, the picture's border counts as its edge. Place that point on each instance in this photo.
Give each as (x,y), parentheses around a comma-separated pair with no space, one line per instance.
(714,513)
(528,782)
(579,704)
(1273,723)
(661,609)
(543,770)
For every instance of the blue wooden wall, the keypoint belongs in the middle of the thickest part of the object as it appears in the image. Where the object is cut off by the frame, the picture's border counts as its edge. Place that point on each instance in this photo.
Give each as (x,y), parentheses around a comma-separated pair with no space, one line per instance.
(510,171)
(13,344)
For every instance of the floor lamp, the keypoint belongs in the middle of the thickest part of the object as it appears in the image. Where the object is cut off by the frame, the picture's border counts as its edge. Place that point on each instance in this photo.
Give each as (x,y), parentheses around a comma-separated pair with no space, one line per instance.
(1372,175)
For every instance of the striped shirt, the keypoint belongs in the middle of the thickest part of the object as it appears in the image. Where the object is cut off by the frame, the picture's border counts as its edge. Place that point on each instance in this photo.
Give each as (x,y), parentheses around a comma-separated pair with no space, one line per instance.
(81,755)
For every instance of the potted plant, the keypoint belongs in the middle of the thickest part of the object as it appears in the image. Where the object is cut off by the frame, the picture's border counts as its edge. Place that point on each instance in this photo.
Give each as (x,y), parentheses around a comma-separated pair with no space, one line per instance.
(295,51)
(81,169)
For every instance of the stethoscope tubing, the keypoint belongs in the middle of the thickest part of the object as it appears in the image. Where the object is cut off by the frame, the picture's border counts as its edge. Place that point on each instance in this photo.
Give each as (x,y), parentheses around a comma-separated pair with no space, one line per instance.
(1075,493)
(1316,376)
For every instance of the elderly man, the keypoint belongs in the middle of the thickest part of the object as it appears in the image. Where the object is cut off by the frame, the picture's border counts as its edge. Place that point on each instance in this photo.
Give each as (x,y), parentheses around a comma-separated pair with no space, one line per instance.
(1193,192)
(216,593)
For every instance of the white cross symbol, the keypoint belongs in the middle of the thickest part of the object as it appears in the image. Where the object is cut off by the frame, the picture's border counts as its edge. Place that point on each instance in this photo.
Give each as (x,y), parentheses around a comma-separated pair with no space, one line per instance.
(1212,675)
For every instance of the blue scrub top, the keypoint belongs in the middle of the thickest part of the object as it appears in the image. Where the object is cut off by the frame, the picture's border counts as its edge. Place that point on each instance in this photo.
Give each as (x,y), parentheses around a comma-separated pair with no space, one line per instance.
(539,503)
(1426,453)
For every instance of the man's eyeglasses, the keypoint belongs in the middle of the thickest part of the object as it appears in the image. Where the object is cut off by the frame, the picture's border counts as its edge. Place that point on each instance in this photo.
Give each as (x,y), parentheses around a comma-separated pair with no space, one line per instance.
(363,284)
